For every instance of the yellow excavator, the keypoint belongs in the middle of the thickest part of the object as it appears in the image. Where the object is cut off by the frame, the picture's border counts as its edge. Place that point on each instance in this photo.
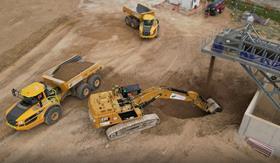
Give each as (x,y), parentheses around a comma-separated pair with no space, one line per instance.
(143,18)
(121,109)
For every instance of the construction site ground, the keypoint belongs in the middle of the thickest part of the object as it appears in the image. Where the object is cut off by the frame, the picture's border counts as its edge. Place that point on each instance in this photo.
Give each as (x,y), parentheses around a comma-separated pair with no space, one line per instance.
(37,34)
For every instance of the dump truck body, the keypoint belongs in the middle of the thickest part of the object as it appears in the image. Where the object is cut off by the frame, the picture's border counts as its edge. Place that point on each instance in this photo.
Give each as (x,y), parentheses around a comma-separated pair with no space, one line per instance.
(67,82)
(40,101)
(139,11)
(143,19)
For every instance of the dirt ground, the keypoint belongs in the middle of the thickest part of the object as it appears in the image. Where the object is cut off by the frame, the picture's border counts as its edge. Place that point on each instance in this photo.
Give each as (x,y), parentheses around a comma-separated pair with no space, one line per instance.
(95,29)
(69,70)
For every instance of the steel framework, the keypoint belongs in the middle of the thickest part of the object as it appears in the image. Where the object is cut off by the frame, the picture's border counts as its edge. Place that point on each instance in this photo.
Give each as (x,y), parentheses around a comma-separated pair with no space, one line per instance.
(258,57)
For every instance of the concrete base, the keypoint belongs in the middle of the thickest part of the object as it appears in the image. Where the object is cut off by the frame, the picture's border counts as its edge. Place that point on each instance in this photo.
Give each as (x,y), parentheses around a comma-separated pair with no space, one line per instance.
(261,122)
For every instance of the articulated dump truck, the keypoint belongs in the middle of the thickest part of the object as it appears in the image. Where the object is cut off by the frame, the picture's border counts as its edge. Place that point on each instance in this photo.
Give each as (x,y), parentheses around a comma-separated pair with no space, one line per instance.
(40,102)
(143,18)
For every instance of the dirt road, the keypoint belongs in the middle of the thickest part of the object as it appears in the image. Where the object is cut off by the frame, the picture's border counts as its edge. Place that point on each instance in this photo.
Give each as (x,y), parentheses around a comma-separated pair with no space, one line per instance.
(174,59)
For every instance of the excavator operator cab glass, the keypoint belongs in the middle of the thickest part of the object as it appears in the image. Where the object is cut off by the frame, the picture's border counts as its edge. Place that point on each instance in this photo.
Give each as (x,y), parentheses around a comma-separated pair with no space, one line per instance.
(133,89)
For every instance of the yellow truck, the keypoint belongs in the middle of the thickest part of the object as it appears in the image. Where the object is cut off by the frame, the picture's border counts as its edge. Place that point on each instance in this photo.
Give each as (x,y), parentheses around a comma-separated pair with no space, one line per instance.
(40,102)
(143,18)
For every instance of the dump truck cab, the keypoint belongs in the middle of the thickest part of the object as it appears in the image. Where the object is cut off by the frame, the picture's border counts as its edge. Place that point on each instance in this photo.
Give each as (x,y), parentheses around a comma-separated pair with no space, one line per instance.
(149,26)
(143,18)
(40,102)
(35,99)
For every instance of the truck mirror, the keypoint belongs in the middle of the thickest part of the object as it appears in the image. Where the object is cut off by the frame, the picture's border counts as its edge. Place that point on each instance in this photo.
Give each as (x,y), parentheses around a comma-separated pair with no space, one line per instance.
(15,92)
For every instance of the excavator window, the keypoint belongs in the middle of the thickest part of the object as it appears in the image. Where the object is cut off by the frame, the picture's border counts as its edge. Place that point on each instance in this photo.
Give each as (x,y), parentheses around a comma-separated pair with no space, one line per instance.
(133,89)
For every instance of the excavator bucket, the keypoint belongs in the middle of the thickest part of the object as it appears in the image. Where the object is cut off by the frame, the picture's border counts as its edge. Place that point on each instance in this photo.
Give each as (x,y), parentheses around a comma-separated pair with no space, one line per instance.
(213,106)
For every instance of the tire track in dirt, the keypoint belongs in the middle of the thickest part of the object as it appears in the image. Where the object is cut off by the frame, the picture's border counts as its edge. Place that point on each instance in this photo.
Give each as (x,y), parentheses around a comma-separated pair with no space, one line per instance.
(26,59)
(12,55)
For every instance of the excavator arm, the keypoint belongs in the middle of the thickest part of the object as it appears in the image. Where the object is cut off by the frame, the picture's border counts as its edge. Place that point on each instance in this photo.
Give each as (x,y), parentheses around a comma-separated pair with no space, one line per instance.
(151,94)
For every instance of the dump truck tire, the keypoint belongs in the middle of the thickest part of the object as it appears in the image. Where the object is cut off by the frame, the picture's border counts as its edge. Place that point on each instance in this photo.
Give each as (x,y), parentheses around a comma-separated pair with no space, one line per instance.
(94,82)
(158,29)
(83,91)
(53,115)
(127,20)
(134,23)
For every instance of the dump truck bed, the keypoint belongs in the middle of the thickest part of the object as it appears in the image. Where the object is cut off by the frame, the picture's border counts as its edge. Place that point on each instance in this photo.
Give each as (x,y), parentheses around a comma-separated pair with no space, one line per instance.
(67,71)
(70,73)
(139,11)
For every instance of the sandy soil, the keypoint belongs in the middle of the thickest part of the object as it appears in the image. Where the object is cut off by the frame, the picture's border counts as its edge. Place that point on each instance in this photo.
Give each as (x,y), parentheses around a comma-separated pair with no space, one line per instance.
(174,59)
(69,70)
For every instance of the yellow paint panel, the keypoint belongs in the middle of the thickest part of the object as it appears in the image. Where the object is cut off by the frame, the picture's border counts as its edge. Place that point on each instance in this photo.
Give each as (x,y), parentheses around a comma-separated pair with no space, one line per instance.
(33,89)
(148,17)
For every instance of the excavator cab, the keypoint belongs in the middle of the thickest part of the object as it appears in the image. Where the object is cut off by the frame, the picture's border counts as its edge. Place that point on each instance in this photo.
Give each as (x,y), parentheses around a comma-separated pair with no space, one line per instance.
(128,90)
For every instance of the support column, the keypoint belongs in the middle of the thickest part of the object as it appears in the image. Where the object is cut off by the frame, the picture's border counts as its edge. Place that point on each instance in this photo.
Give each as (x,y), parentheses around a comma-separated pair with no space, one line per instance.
(211,68)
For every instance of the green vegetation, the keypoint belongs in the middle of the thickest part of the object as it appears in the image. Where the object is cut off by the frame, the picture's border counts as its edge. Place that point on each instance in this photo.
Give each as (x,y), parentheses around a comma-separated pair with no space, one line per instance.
(264,11)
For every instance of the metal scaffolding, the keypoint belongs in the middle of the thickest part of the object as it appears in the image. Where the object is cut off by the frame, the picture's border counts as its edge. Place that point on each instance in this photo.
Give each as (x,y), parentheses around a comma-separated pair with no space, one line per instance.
(258,57)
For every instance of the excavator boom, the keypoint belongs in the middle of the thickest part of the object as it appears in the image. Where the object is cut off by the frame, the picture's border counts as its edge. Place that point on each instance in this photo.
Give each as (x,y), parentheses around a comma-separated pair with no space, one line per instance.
(151,94)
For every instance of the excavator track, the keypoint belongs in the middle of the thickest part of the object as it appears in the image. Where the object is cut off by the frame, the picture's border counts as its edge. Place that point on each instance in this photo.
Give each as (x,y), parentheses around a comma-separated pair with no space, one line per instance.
(133,126)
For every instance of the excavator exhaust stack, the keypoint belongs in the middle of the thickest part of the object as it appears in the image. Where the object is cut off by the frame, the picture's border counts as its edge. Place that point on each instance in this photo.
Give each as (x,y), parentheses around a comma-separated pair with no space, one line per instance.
(213,106)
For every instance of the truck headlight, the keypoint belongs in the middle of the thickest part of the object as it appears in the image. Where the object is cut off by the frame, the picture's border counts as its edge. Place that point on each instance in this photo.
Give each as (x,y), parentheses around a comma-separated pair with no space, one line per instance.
(20,122)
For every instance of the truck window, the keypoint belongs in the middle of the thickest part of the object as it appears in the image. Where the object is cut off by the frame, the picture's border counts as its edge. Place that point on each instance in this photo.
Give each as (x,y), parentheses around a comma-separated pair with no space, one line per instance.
(29,101)
(148,22)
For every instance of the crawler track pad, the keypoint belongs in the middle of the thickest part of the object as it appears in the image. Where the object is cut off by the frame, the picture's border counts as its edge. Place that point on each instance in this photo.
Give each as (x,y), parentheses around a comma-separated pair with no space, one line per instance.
(133,126)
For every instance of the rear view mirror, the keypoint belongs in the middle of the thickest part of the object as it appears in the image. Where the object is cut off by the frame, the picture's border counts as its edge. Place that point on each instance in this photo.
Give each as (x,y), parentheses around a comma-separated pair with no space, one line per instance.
(15,92)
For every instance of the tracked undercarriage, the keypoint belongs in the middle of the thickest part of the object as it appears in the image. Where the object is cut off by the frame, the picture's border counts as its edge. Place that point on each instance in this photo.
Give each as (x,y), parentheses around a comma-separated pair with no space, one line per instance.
(133,126)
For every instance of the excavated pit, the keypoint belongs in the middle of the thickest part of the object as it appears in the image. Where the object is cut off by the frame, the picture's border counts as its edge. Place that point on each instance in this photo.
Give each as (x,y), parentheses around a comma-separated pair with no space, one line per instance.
(70,70)
(180,109)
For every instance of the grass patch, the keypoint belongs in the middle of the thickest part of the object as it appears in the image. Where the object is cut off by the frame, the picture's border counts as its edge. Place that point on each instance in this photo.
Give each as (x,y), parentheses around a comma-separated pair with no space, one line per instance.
(264,11)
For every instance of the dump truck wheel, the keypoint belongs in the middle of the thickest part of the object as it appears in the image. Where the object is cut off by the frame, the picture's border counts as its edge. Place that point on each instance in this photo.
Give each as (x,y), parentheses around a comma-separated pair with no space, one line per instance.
(53,115)
(83,91)
(158,29)
(127,20)
(134,23)
(94,82)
